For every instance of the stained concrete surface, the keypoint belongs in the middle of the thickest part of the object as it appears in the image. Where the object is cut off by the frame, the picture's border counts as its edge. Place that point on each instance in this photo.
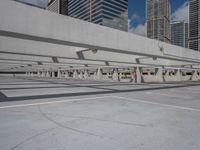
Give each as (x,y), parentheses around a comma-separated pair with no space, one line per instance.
(60,114)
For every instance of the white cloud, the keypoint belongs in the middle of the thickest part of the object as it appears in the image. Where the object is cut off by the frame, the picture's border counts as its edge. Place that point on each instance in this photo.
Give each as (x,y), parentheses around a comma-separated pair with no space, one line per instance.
(182,13)
(141,29)
(135,17)
(129,23)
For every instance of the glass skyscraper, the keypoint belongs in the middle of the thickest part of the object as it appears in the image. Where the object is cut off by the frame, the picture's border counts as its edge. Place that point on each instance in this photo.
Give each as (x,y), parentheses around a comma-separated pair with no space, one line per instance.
(58,6)
(194,25)
(110,13)
(179,33)
(158,19)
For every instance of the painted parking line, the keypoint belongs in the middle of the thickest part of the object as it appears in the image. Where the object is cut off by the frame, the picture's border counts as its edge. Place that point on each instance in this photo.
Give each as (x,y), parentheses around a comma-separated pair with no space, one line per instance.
(93,98)
(54,102)
(159,104)
(34,92)
(192,89)
(169,95)
(185,91)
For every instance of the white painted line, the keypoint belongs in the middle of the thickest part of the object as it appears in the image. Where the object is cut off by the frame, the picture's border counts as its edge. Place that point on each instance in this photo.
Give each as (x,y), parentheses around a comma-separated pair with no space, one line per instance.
(186,91)
(93,98)
(159,104)
(54,102)
(26,92)
(169,95)
(192,89)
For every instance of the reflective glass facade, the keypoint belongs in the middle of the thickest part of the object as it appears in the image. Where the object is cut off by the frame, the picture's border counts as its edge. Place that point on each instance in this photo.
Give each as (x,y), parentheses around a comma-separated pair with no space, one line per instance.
(58,6)
(179,34)
(158,19)
(194,25)
(110,13)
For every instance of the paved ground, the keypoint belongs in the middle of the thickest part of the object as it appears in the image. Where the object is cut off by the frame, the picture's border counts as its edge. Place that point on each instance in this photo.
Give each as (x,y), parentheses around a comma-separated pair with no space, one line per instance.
(60,114)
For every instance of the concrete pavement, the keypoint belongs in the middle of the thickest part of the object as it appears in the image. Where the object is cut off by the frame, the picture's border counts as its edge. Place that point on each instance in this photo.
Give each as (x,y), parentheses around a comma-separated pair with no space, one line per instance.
(60,114)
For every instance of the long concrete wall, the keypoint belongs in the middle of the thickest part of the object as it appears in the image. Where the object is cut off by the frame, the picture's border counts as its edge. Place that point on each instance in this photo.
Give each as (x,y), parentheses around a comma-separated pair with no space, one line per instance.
(21,21)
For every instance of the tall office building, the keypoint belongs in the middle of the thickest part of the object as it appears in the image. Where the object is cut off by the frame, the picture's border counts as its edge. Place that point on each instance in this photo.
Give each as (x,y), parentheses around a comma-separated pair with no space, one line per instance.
(58,6)
(158,19)
(110,13)
(194,25)
(179,33)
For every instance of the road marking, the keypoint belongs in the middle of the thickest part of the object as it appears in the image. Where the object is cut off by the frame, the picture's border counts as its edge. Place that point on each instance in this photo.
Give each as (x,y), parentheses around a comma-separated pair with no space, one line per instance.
(169,95)
(159,104)
(54,102)
(192,89)
(93,98)
(18,93)
(186,91)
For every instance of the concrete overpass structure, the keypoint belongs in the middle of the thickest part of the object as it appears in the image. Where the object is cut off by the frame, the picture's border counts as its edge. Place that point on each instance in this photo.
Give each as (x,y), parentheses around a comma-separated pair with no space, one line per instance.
(45,44)
(71,91)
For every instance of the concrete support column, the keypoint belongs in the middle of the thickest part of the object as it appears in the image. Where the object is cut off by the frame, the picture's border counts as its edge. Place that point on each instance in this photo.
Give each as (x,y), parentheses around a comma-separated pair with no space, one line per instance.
(86,74)
(133,76)
(75,74)
(95,75)
(178,74)
(168,76)
(167,73)
(120,76)
(66,74)
(99,75)
(139,75)
(32,74)
(115,75)
(107,76)
(38,73)
(53,74)
(195,76)
(59,74)
(43,74)
(27,74)
(81,75)
(159,75)
(47,74)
